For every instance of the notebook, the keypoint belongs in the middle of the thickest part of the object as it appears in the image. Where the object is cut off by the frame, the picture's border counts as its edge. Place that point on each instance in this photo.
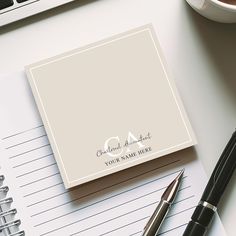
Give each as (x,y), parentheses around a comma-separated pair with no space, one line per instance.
(109,106)
(114,206)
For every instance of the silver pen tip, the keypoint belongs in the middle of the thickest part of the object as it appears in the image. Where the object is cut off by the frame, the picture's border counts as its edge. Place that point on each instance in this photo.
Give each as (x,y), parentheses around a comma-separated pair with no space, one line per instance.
(180,175)
(171,191)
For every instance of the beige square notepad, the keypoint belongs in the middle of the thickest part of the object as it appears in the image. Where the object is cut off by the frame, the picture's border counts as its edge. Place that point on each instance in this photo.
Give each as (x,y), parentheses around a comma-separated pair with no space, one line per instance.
(109,106)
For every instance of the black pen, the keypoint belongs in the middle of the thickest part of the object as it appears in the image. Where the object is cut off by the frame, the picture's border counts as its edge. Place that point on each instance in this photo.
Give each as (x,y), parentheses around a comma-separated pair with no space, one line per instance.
(214,190)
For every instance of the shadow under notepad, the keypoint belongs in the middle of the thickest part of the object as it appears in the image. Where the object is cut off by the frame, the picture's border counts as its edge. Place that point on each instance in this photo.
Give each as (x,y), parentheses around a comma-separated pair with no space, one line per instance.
(172,162)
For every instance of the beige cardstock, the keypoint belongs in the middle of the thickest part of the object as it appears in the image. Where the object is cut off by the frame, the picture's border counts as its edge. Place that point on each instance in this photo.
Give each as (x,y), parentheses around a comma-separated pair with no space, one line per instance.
(109,106)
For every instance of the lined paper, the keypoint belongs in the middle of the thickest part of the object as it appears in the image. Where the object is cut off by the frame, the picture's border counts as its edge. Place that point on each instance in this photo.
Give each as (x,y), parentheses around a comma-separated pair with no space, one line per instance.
(119,204)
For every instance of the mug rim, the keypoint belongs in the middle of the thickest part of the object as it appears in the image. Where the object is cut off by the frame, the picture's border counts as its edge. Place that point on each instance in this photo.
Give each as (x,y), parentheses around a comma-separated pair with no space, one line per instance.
(224,5)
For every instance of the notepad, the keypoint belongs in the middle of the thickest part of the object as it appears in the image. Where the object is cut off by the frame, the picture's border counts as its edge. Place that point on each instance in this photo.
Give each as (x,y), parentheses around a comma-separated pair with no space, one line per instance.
(114,206)
(109,106)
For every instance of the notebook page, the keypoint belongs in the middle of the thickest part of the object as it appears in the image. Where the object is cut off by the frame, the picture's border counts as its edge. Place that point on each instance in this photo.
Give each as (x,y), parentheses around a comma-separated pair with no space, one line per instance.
(120,204)
(10,206)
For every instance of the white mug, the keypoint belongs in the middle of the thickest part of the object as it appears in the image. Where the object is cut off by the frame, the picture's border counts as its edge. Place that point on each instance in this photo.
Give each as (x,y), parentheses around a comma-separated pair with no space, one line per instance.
(215,10)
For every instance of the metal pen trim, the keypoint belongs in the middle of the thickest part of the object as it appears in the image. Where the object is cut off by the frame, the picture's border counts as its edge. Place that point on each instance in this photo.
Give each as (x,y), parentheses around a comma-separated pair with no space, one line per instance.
(208,205)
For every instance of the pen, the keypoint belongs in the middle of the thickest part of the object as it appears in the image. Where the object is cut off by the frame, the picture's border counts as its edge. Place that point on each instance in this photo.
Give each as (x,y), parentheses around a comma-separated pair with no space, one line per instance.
(216,185)
(168,197)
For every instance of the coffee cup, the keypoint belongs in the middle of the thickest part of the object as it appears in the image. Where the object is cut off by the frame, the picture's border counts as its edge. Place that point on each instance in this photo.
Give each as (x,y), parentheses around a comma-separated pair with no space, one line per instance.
(223,11)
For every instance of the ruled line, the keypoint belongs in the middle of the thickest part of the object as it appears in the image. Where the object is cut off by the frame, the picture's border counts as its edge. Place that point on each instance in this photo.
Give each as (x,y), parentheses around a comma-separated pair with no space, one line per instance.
(30,194)
(46,199)
(139,232)
(38,180)
(189,208)
(49,209)
(113,185)
(100,190)
(167,231)
(88,217)
(117,217)
(147,218)
(181,200)
(131,223)
(111,208)
(121,227)
(33,171)
(27,141)
(95,204)
(79,198)
(31,150)
(52,208)
(108,198)
(10,136)
(36,159)
(91,227)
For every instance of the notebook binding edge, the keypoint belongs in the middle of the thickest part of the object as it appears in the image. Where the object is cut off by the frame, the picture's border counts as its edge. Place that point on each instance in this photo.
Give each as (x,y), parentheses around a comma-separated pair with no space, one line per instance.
(11,211)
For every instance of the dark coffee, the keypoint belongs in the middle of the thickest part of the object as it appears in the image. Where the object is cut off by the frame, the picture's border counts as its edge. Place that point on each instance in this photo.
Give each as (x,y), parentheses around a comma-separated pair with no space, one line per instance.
(232,2)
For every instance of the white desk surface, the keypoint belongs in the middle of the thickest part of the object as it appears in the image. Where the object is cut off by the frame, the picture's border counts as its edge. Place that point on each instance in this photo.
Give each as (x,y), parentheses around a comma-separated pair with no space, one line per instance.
(201,55)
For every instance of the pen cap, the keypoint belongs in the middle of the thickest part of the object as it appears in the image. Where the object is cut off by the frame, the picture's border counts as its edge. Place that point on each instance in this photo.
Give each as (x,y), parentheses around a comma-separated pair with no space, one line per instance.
(221,174)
